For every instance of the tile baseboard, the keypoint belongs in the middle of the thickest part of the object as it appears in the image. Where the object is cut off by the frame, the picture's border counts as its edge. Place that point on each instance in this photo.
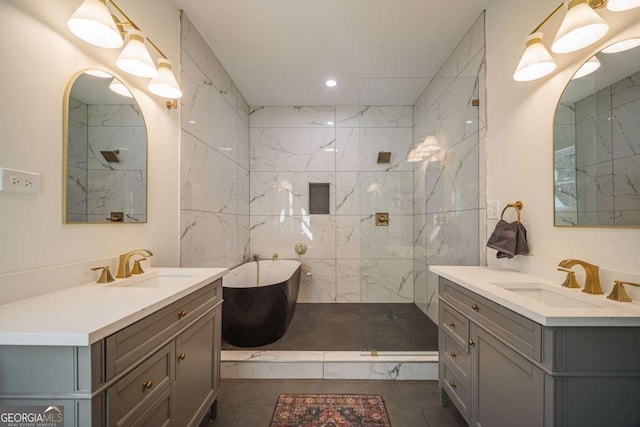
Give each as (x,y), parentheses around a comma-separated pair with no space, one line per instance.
(329,365)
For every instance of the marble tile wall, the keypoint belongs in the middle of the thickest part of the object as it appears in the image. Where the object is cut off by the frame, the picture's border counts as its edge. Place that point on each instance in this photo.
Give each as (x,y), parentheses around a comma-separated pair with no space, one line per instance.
(116,186)
(214,160)
(448,188)
(77,161)
(566,205)
(95,187)
(607,155)
(349,259)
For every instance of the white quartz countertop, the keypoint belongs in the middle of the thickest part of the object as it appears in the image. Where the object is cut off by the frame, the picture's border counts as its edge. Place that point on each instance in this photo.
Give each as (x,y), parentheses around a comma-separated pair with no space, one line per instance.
(82,315)
(563,306)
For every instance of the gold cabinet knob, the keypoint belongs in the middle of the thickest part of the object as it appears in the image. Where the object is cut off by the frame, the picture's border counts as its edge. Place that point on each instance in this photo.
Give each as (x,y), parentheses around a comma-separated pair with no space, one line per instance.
(475,307)
(148,384)
(452,324)
(453,384)
(182,313)
(182,356)
(472,342)
(453,354)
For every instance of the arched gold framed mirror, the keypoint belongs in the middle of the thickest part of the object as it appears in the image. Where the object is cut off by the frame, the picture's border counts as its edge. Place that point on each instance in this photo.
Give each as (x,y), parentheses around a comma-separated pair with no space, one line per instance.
(597,144)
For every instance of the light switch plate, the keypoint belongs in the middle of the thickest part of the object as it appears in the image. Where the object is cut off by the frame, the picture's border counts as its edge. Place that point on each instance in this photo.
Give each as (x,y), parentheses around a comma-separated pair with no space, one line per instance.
(492,209)
(21,182)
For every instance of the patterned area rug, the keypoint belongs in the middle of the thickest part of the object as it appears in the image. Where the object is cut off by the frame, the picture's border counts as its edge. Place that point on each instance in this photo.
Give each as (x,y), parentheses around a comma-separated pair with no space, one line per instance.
(330,410)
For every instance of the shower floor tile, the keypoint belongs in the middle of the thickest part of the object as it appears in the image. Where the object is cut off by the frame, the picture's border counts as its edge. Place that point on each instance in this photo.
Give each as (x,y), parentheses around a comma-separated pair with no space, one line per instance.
(356,327)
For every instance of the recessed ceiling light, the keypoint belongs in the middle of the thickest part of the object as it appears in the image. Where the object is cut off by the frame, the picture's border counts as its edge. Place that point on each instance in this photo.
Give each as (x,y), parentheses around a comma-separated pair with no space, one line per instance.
(330,123)
(331,83)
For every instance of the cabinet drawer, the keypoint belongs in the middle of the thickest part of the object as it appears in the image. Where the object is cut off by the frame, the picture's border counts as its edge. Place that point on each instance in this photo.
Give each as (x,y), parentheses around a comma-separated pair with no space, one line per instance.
(454,324)
(453,354)
(158,414)
(131,396)
(519,332)
(132,343)
(457,388)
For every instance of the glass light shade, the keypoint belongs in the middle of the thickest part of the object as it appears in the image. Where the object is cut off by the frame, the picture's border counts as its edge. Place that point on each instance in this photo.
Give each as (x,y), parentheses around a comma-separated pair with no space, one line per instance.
(92,22)
(581,27)
(135,58)
(164,83)
(587,68)
(429,146)
(622,46)
(119,88)
(414,156)
(622,5)
(536,61)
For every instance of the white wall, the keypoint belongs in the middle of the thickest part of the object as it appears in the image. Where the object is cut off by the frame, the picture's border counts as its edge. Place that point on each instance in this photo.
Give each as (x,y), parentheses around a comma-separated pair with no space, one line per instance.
(39,57)
(520,135)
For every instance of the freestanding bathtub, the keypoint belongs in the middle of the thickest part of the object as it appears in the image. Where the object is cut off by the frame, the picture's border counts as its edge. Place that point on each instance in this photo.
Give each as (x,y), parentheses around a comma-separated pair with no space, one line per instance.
(259,301)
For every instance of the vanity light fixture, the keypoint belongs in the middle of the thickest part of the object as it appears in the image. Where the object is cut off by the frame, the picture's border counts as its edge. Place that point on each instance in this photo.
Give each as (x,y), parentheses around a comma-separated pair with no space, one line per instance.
(119,88)
(134,58)
(331,83)
(429,146)
(425,149)
(581,27)
(94,22)
(587,68)
(622,5)
(536,61)
(622,46)
(414,156)
(164,83)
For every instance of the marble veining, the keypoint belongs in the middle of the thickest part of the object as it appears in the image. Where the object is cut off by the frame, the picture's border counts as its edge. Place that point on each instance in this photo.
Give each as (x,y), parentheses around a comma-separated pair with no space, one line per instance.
(214,169)
(386,116)
(292,149)
(447,207)
(116,191)
(292,117)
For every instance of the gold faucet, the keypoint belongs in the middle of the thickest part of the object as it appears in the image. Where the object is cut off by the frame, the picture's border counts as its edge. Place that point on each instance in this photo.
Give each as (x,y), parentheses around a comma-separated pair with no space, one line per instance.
(123,266)
(592,281)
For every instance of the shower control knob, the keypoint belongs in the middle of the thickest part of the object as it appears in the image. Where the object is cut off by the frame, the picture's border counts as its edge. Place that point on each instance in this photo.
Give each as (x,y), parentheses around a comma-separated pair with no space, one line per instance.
(301,248)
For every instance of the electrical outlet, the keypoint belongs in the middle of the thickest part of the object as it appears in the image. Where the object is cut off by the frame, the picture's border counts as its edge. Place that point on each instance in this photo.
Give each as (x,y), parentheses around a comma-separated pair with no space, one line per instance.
(492,209)
(21,182)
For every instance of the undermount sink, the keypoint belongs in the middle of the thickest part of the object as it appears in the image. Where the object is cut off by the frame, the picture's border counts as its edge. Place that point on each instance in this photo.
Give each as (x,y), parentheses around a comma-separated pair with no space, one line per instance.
(543,293)
(158,279)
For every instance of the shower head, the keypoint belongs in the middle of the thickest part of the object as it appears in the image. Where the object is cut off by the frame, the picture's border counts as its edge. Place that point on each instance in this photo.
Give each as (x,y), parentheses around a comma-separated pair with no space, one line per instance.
(110,156)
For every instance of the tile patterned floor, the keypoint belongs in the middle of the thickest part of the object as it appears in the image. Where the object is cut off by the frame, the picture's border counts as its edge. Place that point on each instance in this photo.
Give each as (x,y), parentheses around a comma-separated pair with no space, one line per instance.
(250,403)
(356,327)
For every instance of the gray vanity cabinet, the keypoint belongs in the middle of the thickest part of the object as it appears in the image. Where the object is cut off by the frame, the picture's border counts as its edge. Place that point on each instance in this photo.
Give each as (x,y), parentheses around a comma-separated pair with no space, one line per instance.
(197,370)
(477,369)
(500,374)
(160,371)
(502,369)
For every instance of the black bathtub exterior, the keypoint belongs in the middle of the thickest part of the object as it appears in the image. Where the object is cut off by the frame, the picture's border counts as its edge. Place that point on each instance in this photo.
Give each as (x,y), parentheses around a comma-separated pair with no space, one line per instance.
(259,315)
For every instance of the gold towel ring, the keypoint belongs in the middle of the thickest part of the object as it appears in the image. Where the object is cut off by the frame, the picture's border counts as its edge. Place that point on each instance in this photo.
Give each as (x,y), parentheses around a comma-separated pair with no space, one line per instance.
(517,205)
